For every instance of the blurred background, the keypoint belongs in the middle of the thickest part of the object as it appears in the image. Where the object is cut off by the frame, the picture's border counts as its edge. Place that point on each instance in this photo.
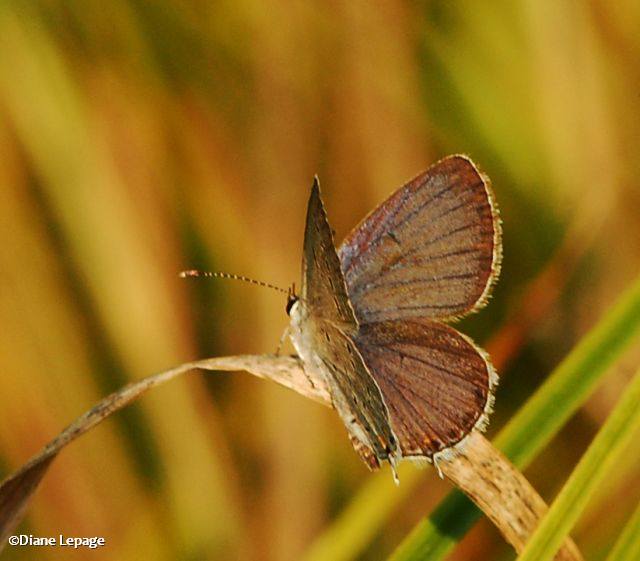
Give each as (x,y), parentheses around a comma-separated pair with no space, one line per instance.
(140,138)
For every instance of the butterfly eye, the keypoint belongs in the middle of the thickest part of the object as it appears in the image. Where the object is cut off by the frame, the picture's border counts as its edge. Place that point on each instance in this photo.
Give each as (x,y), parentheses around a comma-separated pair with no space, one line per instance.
(291,300)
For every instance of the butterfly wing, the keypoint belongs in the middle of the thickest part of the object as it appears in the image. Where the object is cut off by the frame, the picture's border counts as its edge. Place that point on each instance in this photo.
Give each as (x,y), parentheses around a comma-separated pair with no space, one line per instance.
(356,396)
(323,288)
(432,249)
(332,325)
(436,383)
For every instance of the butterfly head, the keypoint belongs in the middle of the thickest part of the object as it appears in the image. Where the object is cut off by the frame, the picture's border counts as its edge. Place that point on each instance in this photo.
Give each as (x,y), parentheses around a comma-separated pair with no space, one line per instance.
(292,298)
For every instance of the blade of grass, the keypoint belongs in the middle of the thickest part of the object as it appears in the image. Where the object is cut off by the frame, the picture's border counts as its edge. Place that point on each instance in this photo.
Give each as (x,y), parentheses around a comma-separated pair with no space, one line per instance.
(627,547)
(600,458)
(535,424)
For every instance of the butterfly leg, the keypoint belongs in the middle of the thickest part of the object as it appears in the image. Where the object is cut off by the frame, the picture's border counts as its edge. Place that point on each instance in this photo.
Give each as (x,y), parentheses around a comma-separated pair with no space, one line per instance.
(394,471)
(283,338)
(434,459)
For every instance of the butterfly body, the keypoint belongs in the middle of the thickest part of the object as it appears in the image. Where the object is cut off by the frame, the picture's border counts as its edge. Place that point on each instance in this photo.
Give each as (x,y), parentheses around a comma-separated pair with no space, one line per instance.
(304,335)
(323,331)
(369,319)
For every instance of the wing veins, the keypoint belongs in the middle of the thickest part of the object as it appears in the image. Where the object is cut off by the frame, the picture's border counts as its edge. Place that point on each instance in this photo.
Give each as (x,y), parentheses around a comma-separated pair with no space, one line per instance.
(419,414)
(448,211)
(430,242)
(406,282)
(455,306)
(401,263)
(439,411)
(453,373)
(375,242)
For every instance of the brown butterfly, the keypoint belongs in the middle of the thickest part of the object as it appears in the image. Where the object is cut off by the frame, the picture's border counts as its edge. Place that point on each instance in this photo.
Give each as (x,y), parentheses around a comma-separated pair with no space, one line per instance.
(369,321)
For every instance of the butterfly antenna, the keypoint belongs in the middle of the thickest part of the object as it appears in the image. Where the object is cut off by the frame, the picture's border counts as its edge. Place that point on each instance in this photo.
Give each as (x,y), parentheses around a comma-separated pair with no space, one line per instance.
(218,275)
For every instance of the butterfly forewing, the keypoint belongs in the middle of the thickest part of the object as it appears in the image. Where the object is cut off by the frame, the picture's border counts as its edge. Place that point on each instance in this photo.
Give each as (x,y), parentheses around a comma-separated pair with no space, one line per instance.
(331,325)
(431,250)
(436,382)
(323,288)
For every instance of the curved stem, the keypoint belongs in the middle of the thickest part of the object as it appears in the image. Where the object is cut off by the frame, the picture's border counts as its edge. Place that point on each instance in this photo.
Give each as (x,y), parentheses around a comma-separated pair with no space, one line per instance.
(480,470)
(500,490)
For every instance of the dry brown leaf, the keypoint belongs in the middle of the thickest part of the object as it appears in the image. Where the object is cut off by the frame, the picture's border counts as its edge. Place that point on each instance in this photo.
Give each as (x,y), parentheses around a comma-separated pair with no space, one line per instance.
(480,470)
(17,489)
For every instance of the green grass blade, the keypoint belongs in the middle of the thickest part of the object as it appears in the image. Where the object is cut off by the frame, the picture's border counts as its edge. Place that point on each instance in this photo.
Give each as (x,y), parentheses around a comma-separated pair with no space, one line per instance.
(600,459)
(572,381)
(537,422)
(627,547)
(434,537)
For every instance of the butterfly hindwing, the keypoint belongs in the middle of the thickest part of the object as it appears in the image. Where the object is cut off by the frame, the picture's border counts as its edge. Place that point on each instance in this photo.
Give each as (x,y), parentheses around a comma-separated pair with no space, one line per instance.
(432,249)
(436,383)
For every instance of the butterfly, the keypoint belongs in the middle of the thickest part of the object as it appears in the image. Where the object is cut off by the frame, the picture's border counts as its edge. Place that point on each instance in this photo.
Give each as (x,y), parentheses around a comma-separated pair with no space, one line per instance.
(371,319)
